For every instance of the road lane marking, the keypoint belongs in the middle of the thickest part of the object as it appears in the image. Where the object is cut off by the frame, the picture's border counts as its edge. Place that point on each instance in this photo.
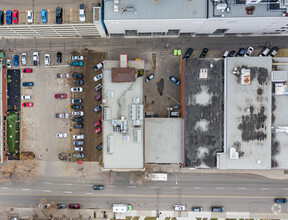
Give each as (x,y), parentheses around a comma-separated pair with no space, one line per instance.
(153,187)
(67,192)
(285,188)
(26,189)
(111,186)
(68,184)
(264,188)
(132,186)
(241,188)
(89,193)
(47,182)
(46,190)
(197,187)
(4,188)
(219,187)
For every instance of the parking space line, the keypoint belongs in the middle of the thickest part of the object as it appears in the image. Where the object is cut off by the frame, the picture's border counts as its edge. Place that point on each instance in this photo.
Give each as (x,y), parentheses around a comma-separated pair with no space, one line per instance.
(4,188)
(26,189)
(153,187)
(46,190)
(264,188)
(68,184)
(241,188)
(67,192)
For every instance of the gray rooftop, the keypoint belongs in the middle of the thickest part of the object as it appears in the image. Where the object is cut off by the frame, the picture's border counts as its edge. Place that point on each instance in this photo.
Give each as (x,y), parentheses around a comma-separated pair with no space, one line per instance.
(203,111)
(247,122)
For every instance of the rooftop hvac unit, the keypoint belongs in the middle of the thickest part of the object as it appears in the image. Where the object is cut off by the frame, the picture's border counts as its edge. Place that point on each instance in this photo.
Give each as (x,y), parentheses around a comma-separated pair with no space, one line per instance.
(116,8)
(137,136)
(132,112)
(136,100)
(110,144)
(136,123)
(221,6)
(140,112)
(116,1)
(130,8)
(107,113)
(234,155)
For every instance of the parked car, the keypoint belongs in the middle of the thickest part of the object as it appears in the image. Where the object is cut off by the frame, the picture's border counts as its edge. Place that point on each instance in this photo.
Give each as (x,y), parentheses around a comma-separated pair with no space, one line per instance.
(30,16)
(217,209)
(44,206)
(273,51)
(61,206)
(59,57)
(78,143)
(98,187)
(188,53)
(16,60)
(99,147)
(97,123)
(75,206)
(249,51)
(62,115)
(77,58)
(98,96)
(26,97)
(61,135)
(179,207)
(197,209)
(98,108)
(28,84)
(98,130)
(78,148)
(98,87)
(77,75)
(77,113)
(15,16)
(1,17)
(14,218)
(77,119)
(203,53)
(77,63)
(99,66)
(36,59)
(59,15)
(79,125)
(280,200)
(232,53)
(78,82)
(27,71)
(148,78)
(77,107)
(76,89)
(9,17)
(98,77)
(47,59)
(60,96)
(27,104)
(62,75)
(78,155)
(78,136)
(82,14)
(175,80)
(225,54)
(240,52)
(9,63)
(44,16)
(24,58)
(264,52)
(76,101)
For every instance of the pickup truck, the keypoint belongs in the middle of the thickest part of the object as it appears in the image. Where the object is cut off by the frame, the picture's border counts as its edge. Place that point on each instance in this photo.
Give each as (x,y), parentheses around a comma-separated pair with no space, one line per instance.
(62,75)
(62,115)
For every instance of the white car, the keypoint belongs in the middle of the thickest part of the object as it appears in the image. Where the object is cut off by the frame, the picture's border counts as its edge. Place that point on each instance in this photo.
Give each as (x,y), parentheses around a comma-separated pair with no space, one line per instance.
(23,58)
(78,136)
(25,97)
(62,115)
(42,206)
(78,149)
(98,77)
(225,54)
(9,63)
(77,58)
(265,52)
(47,59)
(30,16)
(82,15)
(77,113)
(249,52)
(36,59)
(76,89)
(98,87)
(61,135)
(99,66)
(179,207)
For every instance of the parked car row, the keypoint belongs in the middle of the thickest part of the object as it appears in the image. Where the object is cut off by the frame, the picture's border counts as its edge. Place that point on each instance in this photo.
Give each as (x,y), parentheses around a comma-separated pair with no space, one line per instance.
(13,16)
(60,206)
(198,209)
(98,97)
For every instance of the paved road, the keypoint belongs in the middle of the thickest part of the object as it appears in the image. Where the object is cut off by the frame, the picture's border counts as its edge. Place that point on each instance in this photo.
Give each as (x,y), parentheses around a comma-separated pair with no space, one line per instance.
(237,193)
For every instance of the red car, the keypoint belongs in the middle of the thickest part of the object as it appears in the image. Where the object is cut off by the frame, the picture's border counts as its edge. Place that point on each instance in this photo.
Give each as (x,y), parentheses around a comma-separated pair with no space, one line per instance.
(15,16)
(74,206)
(60,96)
(27,71)
(98,97)
(98,130)
(97,122)
(27,104)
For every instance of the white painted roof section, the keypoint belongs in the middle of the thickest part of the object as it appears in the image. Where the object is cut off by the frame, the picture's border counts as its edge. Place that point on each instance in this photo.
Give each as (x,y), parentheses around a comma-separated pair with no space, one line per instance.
(126,150)
(164,140)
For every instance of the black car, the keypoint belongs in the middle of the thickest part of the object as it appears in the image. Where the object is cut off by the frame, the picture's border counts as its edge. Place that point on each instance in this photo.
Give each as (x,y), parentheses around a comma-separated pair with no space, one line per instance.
(204,53)
(98,187)
(1,17)
(78,143)
(217,209)
(76,106)
(232,53)
(79,125)
(59,15)
(77,119)
(59,57)
(77,75)
(78,82)
(61,206)
(188,53)
(76,101)
(240,52)
(99,147)
(273,51)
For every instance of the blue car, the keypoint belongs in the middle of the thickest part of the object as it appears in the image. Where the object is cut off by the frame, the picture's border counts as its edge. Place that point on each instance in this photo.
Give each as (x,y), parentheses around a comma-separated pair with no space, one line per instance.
(9,17)
(44,16)
(280,200)
(28,84)
(16,60)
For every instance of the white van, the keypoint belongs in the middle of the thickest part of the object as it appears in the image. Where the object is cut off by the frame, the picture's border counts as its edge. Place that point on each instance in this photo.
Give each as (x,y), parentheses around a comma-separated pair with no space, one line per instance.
(121,208)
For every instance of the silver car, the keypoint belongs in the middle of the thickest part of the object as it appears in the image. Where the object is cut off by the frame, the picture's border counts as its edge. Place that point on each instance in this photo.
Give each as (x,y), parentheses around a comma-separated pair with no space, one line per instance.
(78,149)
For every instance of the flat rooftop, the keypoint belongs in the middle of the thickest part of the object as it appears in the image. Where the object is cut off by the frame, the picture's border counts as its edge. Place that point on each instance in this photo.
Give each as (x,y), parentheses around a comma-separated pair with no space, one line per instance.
(203,111)
(126,149)
(247,122)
